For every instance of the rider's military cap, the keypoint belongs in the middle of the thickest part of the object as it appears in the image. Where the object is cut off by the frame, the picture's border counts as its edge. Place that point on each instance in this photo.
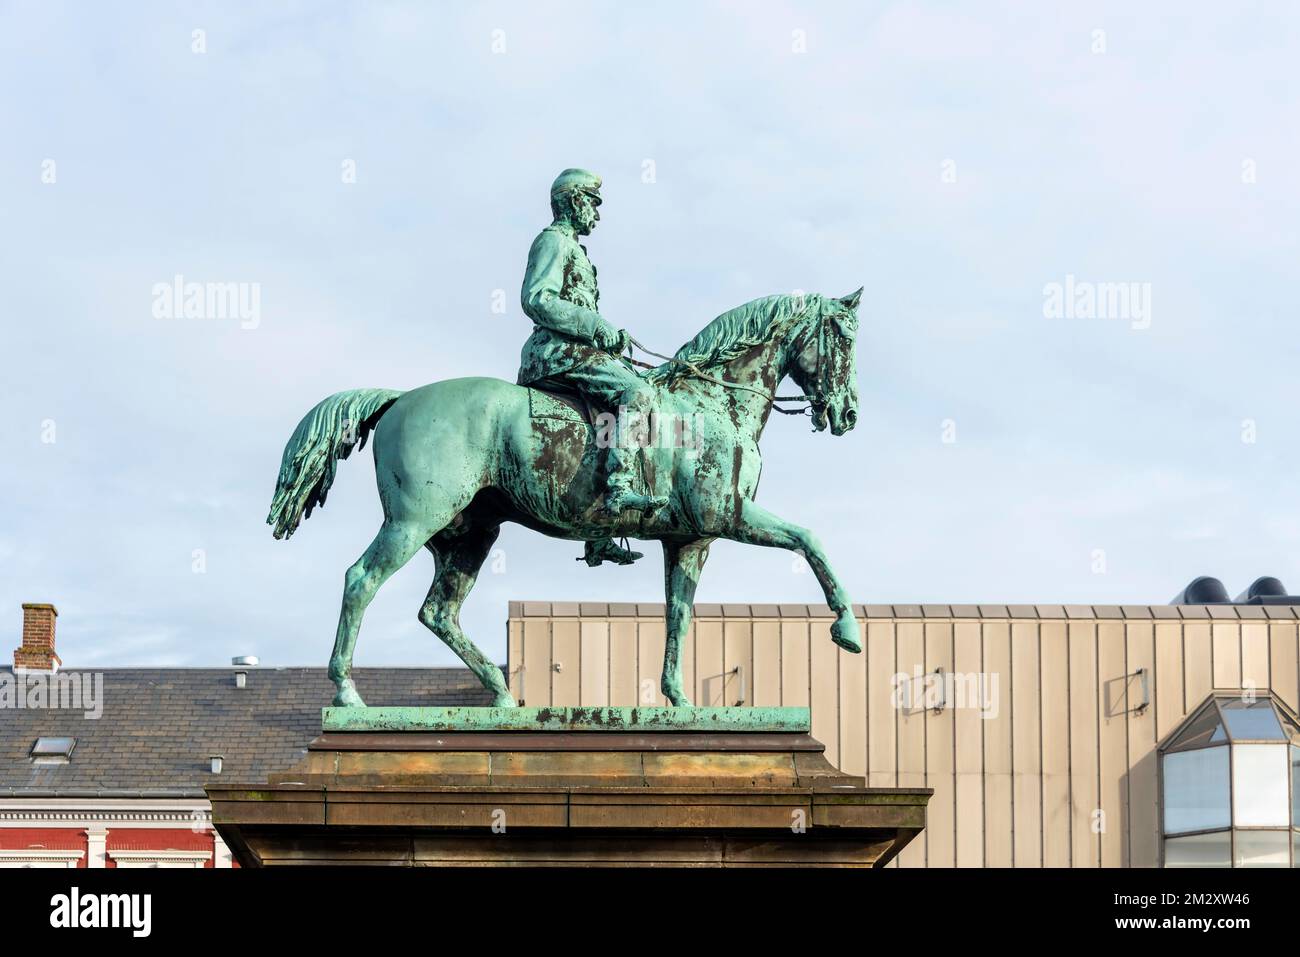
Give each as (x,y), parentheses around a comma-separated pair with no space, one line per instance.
(576,179)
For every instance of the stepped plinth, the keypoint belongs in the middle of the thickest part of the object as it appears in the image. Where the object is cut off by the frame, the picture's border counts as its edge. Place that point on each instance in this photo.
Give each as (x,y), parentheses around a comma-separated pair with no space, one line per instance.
(592,786)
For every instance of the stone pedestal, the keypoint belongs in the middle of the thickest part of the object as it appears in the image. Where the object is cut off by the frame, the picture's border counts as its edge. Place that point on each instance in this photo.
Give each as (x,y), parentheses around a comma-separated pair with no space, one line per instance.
(569,787)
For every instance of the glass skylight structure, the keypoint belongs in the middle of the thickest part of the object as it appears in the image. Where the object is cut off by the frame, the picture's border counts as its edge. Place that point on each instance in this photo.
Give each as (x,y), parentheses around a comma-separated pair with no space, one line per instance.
(1230,781)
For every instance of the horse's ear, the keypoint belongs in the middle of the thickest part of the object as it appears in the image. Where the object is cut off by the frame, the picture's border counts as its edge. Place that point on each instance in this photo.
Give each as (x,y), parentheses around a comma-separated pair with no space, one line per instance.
(853,298)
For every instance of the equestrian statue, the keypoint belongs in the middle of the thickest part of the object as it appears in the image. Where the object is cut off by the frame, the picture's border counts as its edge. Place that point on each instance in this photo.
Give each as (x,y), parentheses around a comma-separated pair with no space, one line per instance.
(583,447)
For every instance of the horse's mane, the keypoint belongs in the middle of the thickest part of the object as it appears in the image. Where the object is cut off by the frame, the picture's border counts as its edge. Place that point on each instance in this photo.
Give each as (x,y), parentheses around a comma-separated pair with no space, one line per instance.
(733,333)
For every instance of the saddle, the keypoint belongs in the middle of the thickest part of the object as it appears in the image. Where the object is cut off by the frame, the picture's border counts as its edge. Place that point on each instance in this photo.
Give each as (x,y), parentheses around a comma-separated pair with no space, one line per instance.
(555,400)
(548,399)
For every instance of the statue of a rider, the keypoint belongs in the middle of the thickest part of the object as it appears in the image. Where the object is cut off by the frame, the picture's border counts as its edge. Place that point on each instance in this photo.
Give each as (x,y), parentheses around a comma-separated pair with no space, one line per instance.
(572,345)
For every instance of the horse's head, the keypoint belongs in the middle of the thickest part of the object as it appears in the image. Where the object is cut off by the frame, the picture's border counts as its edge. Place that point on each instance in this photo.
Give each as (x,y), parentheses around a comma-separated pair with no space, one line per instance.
(826,365)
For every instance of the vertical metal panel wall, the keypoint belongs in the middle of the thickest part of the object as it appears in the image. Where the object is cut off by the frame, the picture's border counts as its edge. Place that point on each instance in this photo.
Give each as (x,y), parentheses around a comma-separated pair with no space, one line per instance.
(1055,767)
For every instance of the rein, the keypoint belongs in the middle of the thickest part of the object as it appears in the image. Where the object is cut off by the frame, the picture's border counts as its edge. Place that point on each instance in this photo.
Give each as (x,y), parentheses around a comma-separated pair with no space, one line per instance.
(772,400)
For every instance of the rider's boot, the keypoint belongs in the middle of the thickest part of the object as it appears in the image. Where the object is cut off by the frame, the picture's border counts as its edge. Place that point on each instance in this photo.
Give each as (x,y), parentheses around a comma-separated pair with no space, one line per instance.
(600,550)
(619,494)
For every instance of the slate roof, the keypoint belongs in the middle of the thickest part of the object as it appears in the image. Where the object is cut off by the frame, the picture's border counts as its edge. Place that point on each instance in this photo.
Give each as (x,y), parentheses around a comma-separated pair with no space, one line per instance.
(160,725)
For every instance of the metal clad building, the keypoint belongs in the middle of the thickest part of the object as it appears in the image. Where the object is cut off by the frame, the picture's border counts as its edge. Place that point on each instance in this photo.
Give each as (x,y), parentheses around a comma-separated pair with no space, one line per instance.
(1037,726)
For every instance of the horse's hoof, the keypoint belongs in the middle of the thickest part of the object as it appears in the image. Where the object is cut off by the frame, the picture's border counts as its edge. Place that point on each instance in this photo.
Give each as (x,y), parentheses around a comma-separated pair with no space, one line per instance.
(847,633)
(677,700)
(504,700)
(347,696)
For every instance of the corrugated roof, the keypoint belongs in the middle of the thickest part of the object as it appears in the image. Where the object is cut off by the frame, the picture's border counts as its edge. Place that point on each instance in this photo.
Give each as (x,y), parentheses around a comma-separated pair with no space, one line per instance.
(160,725)
(544,609)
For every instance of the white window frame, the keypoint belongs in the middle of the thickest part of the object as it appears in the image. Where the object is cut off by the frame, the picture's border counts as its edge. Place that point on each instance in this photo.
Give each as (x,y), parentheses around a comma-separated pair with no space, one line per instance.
(185,859)
(38,857)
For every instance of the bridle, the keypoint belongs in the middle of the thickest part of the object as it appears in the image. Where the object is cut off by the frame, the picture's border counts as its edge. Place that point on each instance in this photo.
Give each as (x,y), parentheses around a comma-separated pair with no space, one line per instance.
(815,403)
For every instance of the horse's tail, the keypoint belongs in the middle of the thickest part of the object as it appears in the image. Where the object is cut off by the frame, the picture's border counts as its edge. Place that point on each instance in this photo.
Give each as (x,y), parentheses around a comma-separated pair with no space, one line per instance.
(326,434)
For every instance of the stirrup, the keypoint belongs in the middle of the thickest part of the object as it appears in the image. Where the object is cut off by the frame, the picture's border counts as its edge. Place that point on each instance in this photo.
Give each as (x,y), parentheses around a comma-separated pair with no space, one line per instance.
(602,550)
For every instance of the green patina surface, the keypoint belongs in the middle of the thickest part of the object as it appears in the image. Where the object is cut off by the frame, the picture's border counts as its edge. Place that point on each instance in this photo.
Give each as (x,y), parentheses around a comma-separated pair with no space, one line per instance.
(672,456)
(794,720)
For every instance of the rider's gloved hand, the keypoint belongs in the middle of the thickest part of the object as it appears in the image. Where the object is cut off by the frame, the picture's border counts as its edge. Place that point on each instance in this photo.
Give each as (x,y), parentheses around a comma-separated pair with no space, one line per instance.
(624,342)
(607,337)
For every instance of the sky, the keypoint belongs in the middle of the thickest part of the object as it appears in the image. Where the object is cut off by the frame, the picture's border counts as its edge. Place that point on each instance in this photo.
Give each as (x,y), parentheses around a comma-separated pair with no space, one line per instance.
(375,172)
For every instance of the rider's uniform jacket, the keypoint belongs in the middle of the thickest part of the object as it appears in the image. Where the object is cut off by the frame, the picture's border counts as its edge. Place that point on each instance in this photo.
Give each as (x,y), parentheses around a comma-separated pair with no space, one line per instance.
(560,296)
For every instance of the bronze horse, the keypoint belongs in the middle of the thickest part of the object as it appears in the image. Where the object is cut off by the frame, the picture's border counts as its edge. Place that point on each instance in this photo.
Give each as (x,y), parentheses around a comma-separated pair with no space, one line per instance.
(456,459)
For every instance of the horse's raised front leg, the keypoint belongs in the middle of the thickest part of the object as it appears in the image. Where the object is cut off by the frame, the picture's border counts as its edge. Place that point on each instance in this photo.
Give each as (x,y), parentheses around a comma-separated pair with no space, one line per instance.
(683,562)
(392,548)
(459,560)
(757,526)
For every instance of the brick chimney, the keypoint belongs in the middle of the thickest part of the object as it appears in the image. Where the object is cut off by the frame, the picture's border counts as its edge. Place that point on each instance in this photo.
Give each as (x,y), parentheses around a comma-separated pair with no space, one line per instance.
(36,653)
